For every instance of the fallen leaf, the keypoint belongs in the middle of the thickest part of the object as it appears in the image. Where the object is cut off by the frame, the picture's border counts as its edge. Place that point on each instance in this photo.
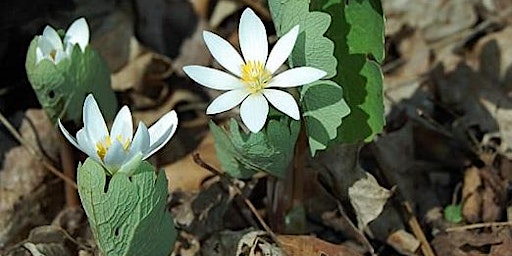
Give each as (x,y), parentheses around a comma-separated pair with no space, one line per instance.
(185,174)
(312,246)
(368,199)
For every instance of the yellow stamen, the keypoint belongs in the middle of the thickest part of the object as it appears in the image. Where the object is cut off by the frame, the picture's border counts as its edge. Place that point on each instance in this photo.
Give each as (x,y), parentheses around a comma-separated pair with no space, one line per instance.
(255,76)
(53,53)
(102,147)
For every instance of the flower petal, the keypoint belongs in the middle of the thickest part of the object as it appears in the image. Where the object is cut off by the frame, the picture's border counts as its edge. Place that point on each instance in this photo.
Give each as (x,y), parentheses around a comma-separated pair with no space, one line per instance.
(77,33)
(297,76)
(161,132)
(227,101)
(86,145)
(283,102)
(94,124)
(59,55)
(140,142)
(253,37)
(224,53)
(68,135)
(122,128)
(130,166)
(213,78)
(254,111)
(115,156)
(53,38)
(282,49)
(39,55)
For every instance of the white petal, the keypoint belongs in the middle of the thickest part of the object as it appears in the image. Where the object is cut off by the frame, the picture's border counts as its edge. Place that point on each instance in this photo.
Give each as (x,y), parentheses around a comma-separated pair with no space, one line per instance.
(122,127)
(130,166)
(161,132)
(253,37)
(297,76)
(77,33)
(283,102)
(94,124)
(140,142)
(282,49)
(39,55)
(115,157)
(53,38)
(59,55)
(227,101)
(44,49)
(68,135)
(86,145)
(224,53)
(213,78)
(254,111)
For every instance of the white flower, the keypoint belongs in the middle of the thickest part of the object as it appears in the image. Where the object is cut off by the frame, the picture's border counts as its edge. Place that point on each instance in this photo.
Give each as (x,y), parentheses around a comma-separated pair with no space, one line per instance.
(51,46)
(118,151)
(254,73)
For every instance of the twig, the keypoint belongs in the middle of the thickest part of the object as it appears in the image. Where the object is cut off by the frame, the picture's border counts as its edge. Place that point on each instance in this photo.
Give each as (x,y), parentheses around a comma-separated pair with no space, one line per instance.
(360,236)
(479,225)
(227,180)
(34,152)
(417,231)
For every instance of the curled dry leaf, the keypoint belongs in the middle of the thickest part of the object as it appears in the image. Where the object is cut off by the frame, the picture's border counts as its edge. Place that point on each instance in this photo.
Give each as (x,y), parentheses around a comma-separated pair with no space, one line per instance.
(368,199)
(471,198)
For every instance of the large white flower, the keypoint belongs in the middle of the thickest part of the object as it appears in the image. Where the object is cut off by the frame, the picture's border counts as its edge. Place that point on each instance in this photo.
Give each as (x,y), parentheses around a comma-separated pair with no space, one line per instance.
(50,46)
(118,151)
(254,74)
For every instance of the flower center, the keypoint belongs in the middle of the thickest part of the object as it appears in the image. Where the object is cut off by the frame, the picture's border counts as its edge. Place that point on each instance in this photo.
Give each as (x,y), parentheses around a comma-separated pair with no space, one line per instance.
(53,53)
(255,76)
(103,146)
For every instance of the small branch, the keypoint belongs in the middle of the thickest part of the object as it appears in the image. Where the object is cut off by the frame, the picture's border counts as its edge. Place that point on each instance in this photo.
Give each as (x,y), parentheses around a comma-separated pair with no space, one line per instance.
(360,236)
(38,155)
(479,225)
(417,231)
(226,180)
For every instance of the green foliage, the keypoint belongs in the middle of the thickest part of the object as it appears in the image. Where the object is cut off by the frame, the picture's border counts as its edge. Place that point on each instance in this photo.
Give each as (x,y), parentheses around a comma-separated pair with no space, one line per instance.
(357,30)
(324,109)
(270,150)
(453,213)
(322,102)
(61,89)
(127,216)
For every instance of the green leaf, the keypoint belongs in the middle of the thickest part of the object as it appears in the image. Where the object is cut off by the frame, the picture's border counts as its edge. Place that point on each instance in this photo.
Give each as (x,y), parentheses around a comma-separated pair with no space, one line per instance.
(241,155)
(324,109)
(322,102)
(453,213)
(312,48)
(61,89)
(357,29)
(127,215)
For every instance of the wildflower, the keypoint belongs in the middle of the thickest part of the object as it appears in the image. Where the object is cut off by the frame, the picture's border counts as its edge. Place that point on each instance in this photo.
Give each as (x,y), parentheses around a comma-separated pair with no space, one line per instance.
(254,74)
(50,46)
(118,151)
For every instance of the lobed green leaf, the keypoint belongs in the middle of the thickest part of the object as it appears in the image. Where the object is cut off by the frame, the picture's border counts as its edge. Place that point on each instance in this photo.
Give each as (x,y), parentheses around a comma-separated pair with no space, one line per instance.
(127,215)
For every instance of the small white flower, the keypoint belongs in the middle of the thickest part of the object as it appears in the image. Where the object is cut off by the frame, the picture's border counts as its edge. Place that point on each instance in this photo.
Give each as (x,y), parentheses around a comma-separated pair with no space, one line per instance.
(118,151)
(254,73)
(51,46)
